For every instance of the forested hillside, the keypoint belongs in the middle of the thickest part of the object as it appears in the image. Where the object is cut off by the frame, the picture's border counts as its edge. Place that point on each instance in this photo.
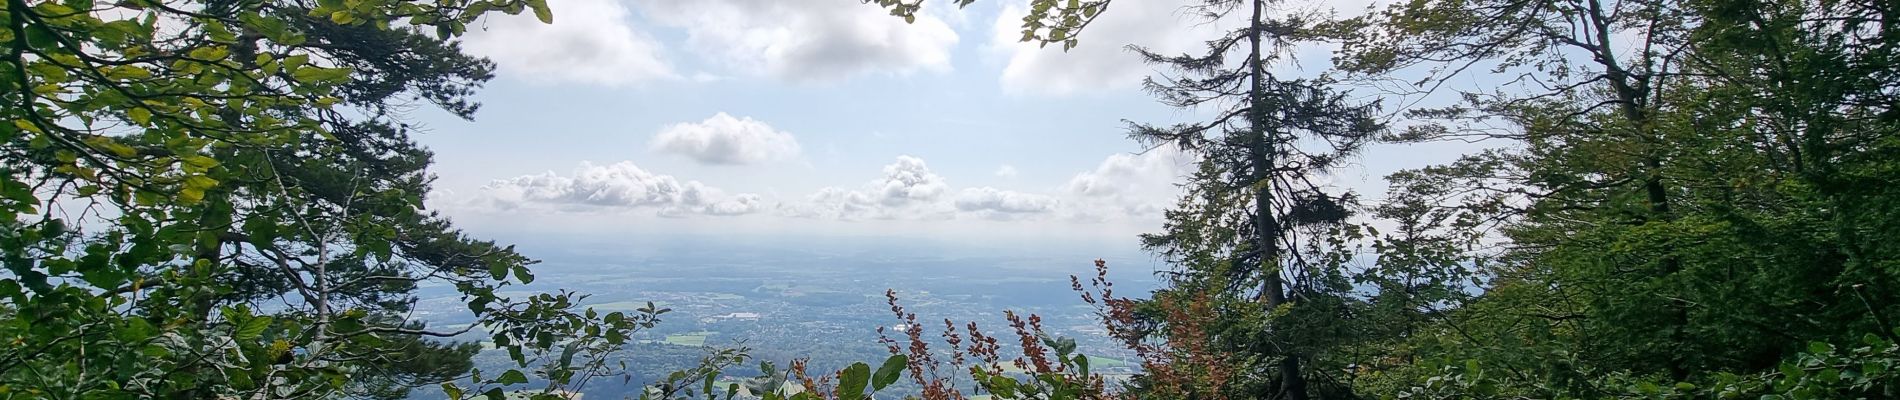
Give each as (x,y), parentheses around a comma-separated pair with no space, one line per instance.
(1667,199)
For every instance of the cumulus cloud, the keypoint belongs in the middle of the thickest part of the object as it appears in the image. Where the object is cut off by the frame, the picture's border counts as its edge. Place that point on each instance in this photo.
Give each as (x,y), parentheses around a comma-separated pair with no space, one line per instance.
(908,181)
(993,200)
(807,40)
(1138,185)
(738,205)
(907,189)
(592,42)
(1100,59)
(1129,173)
(1006,171)
(620,185)
(725,140)
(1122,187)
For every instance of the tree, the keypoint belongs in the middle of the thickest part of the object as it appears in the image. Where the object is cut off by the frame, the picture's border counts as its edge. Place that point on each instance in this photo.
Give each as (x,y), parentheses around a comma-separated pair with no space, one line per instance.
(1254,204)
(207,199)
(1664,213)
(1692,192)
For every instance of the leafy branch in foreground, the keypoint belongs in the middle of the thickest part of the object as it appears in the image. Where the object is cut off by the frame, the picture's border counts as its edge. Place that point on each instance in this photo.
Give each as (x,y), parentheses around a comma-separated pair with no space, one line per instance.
(204,199)
(1047,21)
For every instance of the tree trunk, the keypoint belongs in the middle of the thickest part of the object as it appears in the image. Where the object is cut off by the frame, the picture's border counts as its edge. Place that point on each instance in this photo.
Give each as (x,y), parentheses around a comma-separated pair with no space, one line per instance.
(1266,227)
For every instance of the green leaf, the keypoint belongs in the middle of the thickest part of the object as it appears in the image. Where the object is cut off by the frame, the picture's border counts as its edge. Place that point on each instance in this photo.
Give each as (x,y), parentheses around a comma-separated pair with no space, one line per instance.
(199,161)
(128,72)
(210,53)
(309,74)
(252,328)
(140,115)
(498,270)
(191,195)
(137,330)
(112,146)
(512,377)
(889,372)
(852,380)
(541,11)
(567,353)
(1001,386)
(200,182)
(452,391)
(296,61)
(522,273)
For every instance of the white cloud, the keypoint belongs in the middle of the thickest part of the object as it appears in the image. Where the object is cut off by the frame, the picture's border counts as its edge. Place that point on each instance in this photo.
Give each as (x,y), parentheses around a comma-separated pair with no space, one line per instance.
(807,40)
(1006,171)
(737,205)
(993,200)
(590,42)
(725,140)
(1100,60)
(1129,173)
(907,189)
(1137,185)
(907,181)
(1125,188)
(1129,189)
(620,185)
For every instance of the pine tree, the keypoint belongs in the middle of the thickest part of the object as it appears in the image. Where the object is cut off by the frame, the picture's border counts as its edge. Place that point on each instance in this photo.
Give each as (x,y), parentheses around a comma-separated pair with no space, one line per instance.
(1255,204)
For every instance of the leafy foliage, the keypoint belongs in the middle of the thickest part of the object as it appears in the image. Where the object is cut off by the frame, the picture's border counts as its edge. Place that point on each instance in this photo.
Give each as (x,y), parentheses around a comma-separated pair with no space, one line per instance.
(1669,214)
(1047,21)
(1697,192)
(211,199)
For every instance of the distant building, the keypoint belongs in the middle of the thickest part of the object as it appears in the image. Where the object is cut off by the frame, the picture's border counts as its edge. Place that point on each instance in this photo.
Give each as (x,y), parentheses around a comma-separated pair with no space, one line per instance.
(738,316)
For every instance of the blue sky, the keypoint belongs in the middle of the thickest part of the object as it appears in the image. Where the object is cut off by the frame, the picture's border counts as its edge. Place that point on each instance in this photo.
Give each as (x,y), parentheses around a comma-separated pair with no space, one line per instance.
(816,117)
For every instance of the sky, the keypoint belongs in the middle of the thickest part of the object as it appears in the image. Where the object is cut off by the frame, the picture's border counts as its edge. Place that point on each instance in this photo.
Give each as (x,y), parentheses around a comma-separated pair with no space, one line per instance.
(822,117)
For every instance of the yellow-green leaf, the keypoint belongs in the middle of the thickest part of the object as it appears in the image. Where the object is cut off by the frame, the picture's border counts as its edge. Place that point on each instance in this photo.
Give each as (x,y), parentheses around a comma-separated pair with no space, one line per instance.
(210,53)
(320,74)
(128,72)
(294,62)
(200,182)
(112,146)
(541,11)
(27,126)
(191,195)
(140,115)
(200,161)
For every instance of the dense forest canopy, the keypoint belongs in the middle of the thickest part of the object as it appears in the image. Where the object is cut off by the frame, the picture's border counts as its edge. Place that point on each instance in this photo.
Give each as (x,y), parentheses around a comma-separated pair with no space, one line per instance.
(1677,199)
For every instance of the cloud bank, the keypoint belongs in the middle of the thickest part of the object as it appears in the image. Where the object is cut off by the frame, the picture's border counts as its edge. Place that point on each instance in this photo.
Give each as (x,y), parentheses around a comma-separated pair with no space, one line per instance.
(615,188)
